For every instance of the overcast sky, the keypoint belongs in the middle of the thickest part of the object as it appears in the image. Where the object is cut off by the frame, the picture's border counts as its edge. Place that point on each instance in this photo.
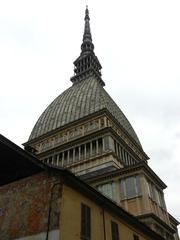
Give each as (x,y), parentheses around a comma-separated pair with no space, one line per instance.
(138,45)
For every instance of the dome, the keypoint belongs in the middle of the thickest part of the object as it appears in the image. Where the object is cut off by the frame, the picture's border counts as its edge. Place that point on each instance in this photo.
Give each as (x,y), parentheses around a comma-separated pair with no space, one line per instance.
(80,100)
(85,97)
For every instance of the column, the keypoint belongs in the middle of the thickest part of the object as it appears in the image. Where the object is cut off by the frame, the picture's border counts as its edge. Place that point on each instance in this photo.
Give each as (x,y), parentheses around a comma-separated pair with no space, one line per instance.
(74,156)
(111,143)
(97,147)
(120,151)
(103,145)
(91,149)
(99,123)
(79,149)
(105,122)
(57,159)
(85,151)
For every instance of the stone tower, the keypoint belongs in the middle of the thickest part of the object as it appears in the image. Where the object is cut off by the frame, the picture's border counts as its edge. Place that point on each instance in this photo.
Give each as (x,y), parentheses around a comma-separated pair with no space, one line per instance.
(85,131)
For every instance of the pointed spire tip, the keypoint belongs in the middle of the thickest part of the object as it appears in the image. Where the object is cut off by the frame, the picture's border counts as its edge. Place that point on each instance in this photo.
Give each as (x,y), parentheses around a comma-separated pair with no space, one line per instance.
(87,13)
(87,64)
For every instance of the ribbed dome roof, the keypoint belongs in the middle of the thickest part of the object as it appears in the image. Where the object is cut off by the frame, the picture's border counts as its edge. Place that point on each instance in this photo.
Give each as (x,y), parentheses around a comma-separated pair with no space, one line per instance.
(78,101)
(85,97)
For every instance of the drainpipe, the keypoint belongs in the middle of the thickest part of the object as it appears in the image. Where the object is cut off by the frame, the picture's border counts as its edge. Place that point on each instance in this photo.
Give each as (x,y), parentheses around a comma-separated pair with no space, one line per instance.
(50,208)
(104,224)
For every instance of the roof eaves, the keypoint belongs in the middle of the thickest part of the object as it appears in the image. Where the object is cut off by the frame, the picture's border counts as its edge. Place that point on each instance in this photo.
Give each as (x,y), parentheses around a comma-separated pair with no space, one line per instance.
(21,152)
(129,169)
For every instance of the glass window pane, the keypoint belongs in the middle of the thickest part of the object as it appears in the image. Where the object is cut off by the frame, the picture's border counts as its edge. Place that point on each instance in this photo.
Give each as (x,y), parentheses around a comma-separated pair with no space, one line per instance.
(153,193)
(130,187)
(157,196)
(138,185)
(109,190)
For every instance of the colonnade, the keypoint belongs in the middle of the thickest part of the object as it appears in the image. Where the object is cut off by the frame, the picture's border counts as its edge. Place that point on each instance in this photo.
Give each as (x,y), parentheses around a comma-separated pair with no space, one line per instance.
(124,155)
(78,153)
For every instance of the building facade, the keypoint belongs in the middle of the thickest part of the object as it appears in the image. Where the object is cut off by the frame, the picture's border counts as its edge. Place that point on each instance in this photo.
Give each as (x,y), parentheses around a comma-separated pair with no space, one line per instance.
(44,202)
(84,131)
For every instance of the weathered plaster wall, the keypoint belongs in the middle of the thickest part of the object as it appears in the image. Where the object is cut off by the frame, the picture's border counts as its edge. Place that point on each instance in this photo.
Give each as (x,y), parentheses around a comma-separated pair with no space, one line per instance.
(70,222)
(24,207)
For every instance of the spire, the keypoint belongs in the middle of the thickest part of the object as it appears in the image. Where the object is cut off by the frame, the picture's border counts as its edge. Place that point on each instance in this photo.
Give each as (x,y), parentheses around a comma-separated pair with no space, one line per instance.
(87,44)
(87,64)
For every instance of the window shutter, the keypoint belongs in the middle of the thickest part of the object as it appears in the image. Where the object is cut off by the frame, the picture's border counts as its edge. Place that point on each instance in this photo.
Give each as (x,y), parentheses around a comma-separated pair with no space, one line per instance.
(85,222)
(135,237)
(114,231)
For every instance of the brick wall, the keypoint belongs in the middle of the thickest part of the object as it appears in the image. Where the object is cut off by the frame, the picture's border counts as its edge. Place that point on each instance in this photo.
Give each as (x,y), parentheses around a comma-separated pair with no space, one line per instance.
(24,206)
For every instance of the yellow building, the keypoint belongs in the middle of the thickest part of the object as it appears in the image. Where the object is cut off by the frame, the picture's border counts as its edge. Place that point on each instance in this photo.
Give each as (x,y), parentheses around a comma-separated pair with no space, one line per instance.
(39,201)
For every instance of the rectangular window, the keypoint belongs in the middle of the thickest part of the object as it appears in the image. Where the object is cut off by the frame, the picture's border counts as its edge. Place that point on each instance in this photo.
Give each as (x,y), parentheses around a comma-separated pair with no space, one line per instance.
(131,187)
(152,192)
(114,231)
(135,237)
(85,222)
(138,185)
(148,188)
(109,190)
(157,196)
(162,202)
(118,150)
